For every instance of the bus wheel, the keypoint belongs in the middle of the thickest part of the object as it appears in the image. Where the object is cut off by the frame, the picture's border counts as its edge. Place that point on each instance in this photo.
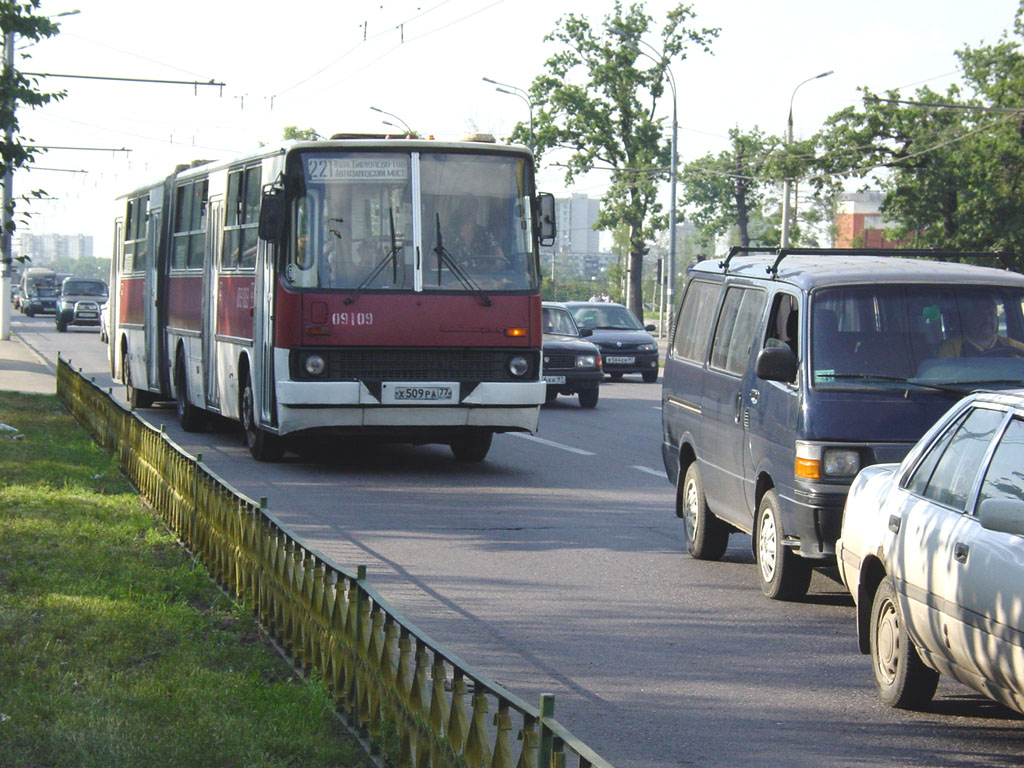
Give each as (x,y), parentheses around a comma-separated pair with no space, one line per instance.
(191,417)
(472,445)
(263,445)
(137,398)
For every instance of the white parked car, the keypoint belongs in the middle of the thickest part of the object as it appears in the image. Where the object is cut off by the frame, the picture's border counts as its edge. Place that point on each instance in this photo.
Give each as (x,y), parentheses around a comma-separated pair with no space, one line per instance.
(932,551)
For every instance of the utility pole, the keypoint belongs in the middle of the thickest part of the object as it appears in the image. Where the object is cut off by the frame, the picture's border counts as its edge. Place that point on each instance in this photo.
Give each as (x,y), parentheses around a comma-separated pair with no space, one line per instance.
(8,203)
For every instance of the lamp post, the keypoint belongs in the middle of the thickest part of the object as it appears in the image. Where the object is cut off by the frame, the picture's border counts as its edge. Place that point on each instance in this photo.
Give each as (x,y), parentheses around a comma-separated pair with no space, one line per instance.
(8,195)
(668,274)
(404,125)
(786,183)
(511,90)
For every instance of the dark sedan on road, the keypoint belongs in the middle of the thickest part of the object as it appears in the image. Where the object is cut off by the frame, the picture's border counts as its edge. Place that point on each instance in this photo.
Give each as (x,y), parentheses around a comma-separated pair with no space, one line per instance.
(626,345)
(572,366)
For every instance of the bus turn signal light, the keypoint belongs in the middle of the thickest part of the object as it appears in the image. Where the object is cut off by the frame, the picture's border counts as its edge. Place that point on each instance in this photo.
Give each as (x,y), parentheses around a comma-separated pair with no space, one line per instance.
(515,332)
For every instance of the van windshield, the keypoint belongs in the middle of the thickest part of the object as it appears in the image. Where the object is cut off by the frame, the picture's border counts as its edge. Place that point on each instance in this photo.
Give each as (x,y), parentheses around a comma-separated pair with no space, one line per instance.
(888,335)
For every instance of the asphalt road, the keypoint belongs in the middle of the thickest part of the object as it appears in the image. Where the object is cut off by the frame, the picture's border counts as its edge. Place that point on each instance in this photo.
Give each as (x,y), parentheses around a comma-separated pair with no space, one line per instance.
(558,566)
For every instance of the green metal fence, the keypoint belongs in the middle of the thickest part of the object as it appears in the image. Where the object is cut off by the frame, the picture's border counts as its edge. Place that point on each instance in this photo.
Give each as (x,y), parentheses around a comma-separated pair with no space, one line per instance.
(416,703)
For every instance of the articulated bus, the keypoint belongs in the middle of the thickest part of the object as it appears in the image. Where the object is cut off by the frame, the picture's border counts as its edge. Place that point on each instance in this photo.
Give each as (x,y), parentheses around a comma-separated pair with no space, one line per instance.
(363,286)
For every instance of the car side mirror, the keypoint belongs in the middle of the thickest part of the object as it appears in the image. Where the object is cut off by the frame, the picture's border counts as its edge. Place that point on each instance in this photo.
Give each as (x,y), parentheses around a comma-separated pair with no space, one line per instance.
(650,327)
(272,216)
(776,364)
(1002,515)
(584,332)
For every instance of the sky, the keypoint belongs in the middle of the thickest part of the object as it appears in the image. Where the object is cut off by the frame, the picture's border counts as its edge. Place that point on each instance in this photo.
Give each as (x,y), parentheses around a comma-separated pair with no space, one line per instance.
(323,64)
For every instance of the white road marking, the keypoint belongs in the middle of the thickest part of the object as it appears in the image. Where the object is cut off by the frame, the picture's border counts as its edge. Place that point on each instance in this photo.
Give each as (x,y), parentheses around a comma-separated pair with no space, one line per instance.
(649,471)
(551,443)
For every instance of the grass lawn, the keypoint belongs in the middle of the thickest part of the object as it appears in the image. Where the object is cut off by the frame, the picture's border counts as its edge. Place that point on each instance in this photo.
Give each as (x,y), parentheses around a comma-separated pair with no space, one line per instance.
(115,648)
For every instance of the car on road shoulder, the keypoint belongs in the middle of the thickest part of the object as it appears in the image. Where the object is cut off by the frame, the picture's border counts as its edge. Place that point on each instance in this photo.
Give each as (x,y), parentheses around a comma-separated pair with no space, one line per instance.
(626,345)
(79,302)
(572,365)
(932,550)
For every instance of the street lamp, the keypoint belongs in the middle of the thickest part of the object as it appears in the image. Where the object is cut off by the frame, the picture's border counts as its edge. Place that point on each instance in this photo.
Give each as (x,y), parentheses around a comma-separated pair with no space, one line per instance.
(8,194)
(786,183)
(511,90)
(404,125)
(668,292)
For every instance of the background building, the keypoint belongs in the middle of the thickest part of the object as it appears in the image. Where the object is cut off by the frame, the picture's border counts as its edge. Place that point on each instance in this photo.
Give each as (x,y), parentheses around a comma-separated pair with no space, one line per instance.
(860,222)
(577,248)
(53,249)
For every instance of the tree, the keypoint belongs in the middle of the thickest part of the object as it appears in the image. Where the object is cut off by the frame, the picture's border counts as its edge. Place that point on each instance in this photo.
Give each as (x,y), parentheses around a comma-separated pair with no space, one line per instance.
(599,103)
(951,166)
(729,189)
(17,20)
(299,134)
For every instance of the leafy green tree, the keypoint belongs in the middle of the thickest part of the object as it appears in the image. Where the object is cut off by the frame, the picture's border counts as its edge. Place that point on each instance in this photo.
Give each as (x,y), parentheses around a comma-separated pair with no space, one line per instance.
(951,164)
(599,97)
(299,134)
(729,189)
(18,20)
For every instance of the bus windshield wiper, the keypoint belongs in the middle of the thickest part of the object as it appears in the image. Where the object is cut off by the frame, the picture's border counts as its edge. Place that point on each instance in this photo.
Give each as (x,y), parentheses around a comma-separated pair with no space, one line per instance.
(444,257)
(390,256)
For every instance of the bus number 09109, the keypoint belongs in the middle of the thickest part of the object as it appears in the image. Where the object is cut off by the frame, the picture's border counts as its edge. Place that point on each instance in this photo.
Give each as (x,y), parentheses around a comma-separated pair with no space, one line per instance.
(352,318)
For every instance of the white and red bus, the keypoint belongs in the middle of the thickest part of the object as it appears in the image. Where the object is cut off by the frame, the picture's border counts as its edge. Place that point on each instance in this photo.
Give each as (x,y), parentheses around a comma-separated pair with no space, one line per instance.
(369,286)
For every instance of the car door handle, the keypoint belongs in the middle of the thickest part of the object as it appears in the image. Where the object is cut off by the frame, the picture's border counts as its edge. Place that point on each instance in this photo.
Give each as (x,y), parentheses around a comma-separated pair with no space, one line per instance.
(960,552)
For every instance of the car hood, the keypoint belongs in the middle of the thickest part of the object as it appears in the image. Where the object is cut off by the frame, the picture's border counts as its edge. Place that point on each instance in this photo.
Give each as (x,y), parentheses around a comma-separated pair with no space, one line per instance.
(610,336)
(568,344)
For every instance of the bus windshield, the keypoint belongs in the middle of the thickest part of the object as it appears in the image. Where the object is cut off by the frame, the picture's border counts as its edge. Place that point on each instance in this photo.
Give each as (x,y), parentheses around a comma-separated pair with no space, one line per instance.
(362,223)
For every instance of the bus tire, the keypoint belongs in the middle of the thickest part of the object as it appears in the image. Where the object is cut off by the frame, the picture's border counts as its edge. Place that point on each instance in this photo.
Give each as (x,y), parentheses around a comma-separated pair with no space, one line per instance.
(472,445)
(137,398)
(263,445)
(191,417)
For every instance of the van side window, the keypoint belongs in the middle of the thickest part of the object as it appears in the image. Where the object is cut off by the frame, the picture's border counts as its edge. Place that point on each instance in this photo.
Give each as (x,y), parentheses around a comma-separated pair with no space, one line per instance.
(738,325)
(689,341)
(783,324)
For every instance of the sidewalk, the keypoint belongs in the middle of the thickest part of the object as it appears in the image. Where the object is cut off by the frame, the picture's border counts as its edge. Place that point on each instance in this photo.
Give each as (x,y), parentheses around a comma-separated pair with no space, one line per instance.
(22,370)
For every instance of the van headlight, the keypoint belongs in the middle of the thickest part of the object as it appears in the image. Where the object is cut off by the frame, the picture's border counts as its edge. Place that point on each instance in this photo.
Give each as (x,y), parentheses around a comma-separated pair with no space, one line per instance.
(816,461)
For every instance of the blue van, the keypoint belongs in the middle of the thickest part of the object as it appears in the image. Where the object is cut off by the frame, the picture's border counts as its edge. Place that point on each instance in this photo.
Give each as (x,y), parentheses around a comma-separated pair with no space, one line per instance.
(790,370)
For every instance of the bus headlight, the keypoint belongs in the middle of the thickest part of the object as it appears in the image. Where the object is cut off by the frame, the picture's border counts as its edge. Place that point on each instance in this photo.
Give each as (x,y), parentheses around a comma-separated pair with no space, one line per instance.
(314,365)
(518,366)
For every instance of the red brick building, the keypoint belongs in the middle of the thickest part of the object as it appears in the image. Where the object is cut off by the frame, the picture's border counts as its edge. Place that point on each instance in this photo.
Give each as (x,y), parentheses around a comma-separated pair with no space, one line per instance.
(859,222)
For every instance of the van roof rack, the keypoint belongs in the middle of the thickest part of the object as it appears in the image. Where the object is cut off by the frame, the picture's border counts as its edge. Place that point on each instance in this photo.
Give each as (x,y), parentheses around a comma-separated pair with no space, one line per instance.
(1003,257)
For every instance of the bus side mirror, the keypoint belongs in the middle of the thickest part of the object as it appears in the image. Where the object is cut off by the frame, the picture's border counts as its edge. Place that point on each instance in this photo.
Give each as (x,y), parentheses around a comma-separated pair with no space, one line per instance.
(546,214)
(272,215)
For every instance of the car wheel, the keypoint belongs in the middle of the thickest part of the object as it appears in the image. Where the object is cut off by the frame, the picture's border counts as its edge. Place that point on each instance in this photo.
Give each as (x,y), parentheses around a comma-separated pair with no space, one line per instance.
(137,398)
(191,417)
(903,680)
(650,376)
(61,325)
(588,397)
(263,445)
(615,376)
(784,574)
(472,445)
(551,395)
(707,536)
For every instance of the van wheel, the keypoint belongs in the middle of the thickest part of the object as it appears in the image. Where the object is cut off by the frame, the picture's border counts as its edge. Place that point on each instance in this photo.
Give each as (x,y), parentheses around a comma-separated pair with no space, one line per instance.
(707,536)
(472,445)
(137,398)
(784,574)
(191,417)
(903,680)
(263,445)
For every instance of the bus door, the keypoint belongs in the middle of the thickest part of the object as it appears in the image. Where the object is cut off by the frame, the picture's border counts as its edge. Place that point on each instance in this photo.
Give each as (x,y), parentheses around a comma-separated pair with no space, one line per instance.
(263,331)
(214,224)
(155,312)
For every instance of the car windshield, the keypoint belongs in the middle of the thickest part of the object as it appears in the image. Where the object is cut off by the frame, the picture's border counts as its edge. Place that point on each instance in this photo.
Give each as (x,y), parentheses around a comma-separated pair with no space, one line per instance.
(558,321)
(891,335)
(611,317)
(84,288)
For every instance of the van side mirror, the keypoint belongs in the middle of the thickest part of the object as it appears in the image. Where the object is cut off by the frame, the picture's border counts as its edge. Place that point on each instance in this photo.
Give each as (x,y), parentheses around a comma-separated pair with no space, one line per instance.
(272,215)
(1002,515)
(776,364)
(546,218)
